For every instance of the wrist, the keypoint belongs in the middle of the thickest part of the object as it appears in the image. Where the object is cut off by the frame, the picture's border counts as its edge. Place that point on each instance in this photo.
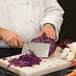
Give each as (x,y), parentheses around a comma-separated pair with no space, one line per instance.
(49,24)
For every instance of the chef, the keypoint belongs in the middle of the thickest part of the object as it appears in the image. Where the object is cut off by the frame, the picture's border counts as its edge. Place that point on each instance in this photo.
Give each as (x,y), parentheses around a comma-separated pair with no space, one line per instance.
(23,20)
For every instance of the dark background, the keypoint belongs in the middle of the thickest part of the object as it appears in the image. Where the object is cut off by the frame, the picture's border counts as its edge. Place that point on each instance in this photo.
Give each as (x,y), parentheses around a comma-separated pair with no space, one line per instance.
(68,29)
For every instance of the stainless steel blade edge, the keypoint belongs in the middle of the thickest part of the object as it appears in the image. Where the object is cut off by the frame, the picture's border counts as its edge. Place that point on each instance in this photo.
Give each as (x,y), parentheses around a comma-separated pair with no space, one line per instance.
(40,49)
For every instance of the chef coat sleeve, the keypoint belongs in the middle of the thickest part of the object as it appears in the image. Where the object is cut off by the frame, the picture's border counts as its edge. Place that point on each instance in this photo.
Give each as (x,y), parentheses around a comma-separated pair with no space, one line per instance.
(53,14)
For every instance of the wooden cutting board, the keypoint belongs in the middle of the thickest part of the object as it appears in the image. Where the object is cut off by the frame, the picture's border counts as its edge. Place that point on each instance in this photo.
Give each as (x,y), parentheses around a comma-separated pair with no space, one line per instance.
(47,65)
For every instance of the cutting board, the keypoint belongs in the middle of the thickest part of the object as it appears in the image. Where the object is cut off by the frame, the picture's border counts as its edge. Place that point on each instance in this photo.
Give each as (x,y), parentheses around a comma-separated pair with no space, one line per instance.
(48,65)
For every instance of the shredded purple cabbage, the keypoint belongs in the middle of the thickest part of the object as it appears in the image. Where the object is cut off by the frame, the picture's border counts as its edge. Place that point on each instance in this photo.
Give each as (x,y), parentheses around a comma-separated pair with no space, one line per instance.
(64,43)
(52,42)
(25,60)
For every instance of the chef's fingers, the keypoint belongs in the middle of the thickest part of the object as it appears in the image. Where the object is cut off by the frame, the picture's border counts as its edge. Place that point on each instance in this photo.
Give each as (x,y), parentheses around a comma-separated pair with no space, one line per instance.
(41,34)
(52,34)
(13,42)
(10,43)
(20,43)
(47,33)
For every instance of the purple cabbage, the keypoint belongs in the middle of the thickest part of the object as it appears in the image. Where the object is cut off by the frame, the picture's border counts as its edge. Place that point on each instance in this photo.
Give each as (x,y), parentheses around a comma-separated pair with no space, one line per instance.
(25,60)
(64,43)
(52,42)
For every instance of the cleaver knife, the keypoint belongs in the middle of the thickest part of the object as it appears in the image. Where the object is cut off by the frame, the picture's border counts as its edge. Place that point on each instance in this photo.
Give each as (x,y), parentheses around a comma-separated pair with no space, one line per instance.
(39,49)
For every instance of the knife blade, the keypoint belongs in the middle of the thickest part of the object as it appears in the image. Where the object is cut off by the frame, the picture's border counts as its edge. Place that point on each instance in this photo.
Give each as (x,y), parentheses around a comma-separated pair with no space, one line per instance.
(39,49)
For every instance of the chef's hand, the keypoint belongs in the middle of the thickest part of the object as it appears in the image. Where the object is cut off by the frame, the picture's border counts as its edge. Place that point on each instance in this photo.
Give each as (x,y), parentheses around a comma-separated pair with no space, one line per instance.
(48,31)
(11,38)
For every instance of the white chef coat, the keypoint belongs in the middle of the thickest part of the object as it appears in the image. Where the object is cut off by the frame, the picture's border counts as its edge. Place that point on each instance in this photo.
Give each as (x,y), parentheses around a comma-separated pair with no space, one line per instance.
(26,17)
